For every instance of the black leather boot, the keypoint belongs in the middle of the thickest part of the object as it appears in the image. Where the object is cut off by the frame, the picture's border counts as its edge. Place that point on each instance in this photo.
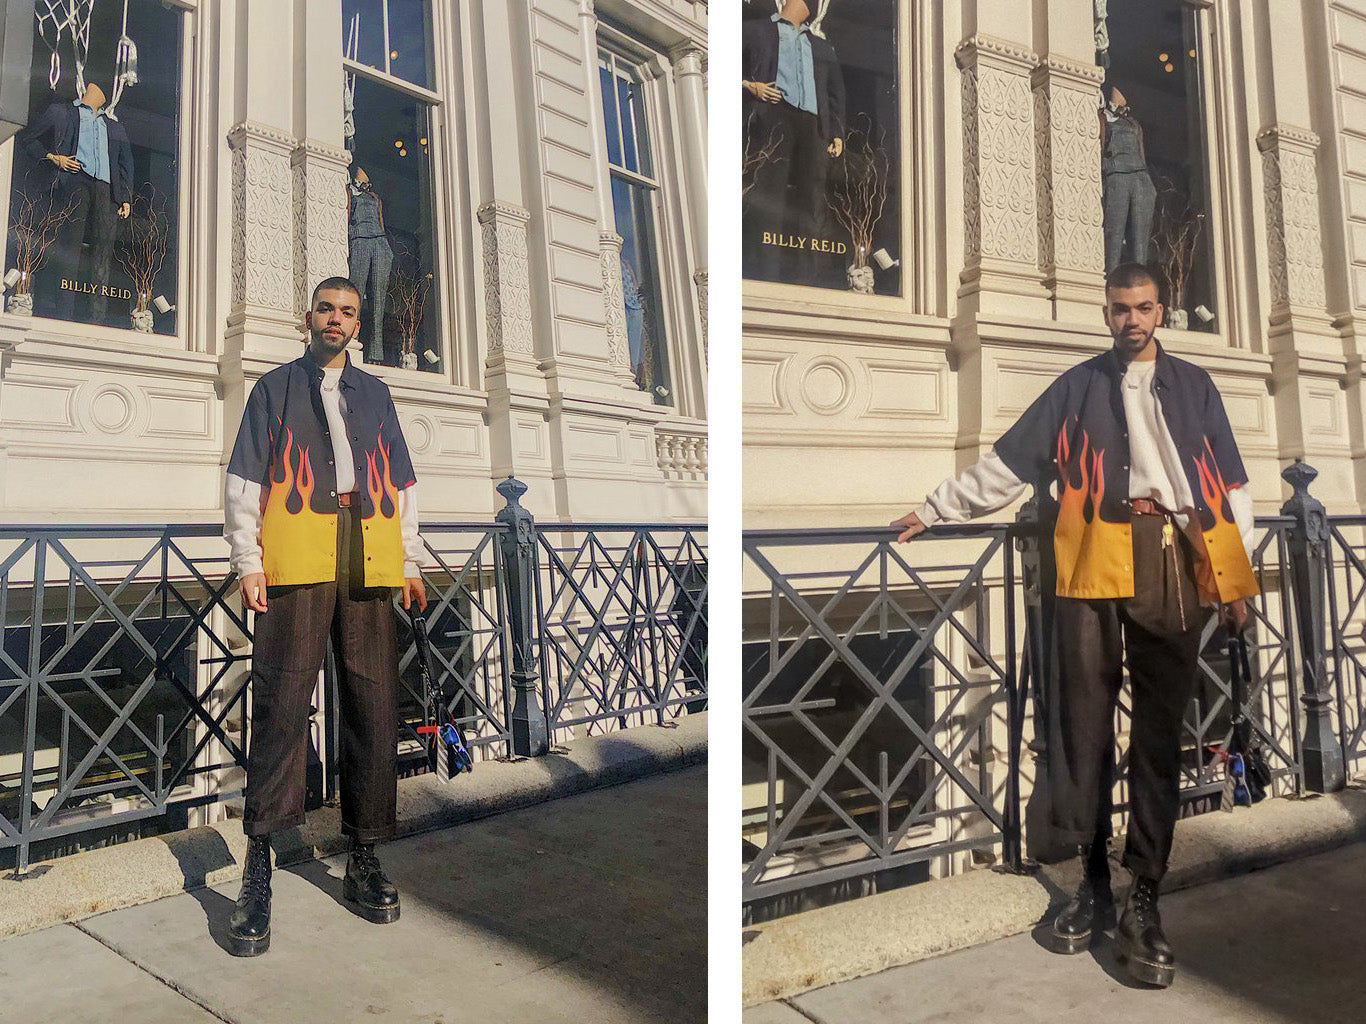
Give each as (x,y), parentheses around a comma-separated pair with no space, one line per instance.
(249,926)
(1091,910)
(366,886)
(1142,945)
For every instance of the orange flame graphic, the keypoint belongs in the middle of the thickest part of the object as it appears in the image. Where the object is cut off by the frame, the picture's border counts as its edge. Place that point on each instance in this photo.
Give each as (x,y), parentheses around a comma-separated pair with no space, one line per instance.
(380,484)
(1212,485)
(298,544)
(1083,497)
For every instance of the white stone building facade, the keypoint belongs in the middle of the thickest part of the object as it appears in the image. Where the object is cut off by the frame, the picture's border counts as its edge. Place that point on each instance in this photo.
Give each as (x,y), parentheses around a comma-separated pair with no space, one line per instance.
(880,397)
(532,375)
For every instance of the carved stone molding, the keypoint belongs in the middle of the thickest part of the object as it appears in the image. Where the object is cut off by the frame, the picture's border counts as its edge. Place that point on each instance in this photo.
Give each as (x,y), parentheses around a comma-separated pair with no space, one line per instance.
(320,234)
(1000,197)
(613,301)
(1294,233)
(700,279)
(507,281)
(1067,152)
(688,59)
(262,219)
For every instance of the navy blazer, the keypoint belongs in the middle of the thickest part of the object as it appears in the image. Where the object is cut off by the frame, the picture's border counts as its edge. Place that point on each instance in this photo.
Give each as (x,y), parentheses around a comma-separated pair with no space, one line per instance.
(759,63)
(58,130)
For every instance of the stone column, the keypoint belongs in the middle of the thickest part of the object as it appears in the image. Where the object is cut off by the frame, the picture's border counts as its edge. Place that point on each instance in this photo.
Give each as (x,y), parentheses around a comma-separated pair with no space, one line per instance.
(1000,205)
(507,285)
(609,242)
(1293,234)
(689,62)
(1071,240)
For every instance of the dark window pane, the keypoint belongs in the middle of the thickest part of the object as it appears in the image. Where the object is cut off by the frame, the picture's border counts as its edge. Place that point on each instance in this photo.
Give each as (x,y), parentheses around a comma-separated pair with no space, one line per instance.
(628,141)
(392,241)
(609,116)
(363,29)
(633,207)
(95,266)
(641,130)
(410,55)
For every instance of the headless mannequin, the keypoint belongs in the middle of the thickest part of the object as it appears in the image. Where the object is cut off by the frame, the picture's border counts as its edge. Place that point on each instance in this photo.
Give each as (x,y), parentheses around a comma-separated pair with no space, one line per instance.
(1129,193)
(371,259)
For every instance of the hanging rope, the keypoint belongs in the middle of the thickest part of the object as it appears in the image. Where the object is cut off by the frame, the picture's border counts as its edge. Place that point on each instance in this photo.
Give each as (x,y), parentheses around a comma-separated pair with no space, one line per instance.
(52,22)
(79,23)
(125,65)
(820,16)
(349,89)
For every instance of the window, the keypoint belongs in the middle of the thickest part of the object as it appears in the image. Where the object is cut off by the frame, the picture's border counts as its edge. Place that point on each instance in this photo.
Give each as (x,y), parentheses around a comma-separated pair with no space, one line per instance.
(94,202)
(635,194)
(821,175)
(391,218)
(1154,172)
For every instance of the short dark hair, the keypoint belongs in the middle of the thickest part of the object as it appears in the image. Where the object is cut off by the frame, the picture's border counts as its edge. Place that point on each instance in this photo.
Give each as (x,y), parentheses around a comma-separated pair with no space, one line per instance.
(1132,275)
(344,283)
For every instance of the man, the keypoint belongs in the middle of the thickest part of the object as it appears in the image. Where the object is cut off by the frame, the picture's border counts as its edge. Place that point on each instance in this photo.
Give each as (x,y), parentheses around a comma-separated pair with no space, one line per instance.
(795,103)
(94,162)
(1153,518)
(321,510)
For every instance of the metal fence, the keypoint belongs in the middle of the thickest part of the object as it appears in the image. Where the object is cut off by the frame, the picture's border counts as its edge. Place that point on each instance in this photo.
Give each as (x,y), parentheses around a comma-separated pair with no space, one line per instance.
(126,656)
(891,693)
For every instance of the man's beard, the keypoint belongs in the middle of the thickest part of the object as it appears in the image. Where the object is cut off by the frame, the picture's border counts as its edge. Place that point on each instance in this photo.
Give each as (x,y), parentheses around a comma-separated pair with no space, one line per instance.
(321,339)
(1134,343)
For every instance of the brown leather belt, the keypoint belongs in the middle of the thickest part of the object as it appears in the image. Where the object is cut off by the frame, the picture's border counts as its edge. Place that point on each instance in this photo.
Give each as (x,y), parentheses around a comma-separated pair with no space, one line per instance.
(348,499)
(1147,507)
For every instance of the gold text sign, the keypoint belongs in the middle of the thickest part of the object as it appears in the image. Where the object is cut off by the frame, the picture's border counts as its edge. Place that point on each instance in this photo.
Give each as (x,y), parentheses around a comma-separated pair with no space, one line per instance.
(782,241)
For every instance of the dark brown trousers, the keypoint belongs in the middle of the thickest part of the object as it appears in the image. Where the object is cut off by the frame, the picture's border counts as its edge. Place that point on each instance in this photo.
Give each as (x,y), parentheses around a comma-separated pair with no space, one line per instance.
(1093,638)
(290,644)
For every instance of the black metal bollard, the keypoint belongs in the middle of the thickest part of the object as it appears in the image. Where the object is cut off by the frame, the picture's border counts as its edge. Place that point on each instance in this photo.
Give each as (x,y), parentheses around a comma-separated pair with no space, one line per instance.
(530,736)
(1307,540)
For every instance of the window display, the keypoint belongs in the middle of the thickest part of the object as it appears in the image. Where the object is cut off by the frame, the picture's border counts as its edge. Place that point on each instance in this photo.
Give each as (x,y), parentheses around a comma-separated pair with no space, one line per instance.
(1154,177)
(95,189)
(390,210)
(820,169)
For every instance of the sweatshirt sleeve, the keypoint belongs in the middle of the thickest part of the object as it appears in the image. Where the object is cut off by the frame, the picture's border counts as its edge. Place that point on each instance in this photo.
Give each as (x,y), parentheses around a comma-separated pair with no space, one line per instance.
(414,552)
(983,488)
(242,524)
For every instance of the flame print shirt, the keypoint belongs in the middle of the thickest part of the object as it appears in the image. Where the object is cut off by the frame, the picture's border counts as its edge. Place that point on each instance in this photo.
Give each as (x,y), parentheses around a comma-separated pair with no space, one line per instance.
(285,445)
(1075,436)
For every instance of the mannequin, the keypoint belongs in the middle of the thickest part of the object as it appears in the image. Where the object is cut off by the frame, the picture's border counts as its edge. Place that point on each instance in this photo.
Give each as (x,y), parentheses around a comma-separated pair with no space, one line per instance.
(1128,189)
(94,166)
(795,91)
(371,259)
(635,315)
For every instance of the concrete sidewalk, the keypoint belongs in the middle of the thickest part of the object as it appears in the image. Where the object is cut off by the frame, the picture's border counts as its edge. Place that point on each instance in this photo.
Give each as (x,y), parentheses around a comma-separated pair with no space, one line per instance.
(590,908)
(1280,946)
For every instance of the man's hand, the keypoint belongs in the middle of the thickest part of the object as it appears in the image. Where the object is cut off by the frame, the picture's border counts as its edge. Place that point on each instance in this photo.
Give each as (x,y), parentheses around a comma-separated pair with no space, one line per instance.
(766,91)
(254,591)
(66,163)
(909,525)
(1234,615)
(124,211)
(836,148)
(415,590)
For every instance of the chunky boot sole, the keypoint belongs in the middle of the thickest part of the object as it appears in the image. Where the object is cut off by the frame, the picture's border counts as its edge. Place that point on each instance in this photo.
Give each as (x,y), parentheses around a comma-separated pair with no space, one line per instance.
(375,915)
(1146,971)
(242,945)
(1070,945)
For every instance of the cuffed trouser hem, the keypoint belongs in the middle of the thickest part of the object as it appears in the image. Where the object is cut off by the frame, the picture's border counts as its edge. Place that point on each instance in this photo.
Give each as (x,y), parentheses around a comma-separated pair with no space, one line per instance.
(369,835)
(1141,867)
(1074,838)
(265,828)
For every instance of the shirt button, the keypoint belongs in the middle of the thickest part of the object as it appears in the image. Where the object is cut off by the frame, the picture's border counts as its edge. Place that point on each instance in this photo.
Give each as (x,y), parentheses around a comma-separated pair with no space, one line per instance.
(332,493)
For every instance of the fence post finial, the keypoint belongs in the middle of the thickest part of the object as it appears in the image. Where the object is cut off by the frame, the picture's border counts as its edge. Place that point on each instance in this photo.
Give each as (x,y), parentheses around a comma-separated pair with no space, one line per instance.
(517,544)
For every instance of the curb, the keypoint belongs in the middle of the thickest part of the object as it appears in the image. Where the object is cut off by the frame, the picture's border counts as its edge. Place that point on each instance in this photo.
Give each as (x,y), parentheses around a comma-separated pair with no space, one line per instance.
(821,947)
(125,875)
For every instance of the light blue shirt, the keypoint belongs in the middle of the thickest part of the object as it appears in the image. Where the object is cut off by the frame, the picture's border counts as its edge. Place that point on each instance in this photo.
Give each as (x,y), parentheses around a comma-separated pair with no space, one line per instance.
(796,74)
(92,148)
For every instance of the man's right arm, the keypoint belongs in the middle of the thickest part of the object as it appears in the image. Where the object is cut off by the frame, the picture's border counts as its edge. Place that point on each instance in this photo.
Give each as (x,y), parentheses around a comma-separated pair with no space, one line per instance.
(985,487)
(247,468)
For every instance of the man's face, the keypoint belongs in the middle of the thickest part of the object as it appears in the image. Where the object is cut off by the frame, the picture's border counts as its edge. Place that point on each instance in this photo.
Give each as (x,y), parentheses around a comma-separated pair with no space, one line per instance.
(333,320)
(1132,314)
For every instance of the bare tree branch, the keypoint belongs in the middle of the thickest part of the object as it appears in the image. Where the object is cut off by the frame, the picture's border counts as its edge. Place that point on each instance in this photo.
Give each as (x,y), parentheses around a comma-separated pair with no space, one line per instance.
(756,155)
(858,194)
(143,251)
(35,223)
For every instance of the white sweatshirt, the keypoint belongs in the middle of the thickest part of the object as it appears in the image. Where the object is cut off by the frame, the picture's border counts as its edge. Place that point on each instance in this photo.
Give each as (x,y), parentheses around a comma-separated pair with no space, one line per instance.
(1155,469)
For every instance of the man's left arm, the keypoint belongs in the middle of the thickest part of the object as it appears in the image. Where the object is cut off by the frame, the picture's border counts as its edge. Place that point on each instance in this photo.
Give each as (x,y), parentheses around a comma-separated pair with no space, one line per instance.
(1229,462)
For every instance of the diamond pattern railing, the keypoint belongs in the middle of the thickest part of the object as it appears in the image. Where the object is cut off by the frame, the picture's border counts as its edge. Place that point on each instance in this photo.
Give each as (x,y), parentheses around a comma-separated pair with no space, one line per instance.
(622,625)
(886,705)
(125,660)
